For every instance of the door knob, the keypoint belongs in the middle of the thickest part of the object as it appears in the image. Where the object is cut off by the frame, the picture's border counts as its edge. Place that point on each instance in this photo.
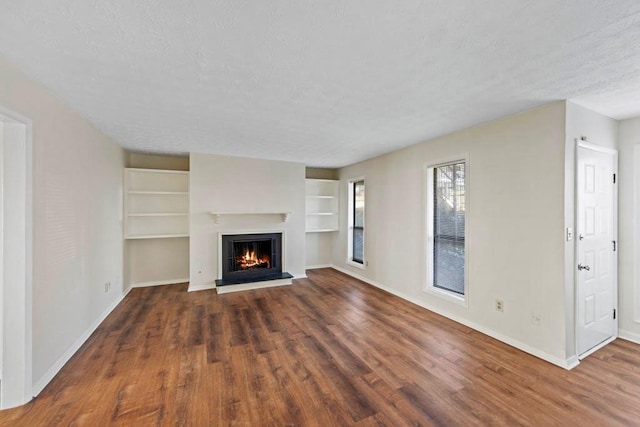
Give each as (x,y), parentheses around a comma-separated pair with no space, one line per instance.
(583,267)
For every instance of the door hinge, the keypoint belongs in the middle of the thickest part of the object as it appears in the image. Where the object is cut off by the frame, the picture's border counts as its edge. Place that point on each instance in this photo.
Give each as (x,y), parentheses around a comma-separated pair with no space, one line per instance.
(614,245)
(614,178)
(614,313)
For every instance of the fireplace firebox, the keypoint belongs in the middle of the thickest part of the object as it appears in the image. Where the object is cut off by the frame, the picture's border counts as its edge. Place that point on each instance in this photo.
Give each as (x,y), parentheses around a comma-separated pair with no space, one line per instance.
(251,258)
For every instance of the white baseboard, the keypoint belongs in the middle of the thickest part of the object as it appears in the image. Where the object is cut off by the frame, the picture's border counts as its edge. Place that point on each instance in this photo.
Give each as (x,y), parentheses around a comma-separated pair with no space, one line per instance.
(572,362)
(202,287)
(313,267)
(159,283)
(569,363)
(629,336)
(58,365)
(299,276)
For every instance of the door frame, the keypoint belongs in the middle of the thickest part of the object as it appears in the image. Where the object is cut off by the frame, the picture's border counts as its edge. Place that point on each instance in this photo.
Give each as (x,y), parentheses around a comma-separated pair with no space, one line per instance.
(17,301)
(614,153)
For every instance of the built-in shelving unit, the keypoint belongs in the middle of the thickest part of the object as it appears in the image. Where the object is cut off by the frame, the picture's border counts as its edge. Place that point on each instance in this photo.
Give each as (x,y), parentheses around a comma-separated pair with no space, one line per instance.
(321,205)
(156,204)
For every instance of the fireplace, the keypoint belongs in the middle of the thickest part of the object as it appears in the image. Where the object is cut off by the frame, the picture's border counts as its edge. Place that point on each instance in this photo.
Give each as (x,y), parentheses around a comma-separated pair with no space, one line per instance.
(249,258)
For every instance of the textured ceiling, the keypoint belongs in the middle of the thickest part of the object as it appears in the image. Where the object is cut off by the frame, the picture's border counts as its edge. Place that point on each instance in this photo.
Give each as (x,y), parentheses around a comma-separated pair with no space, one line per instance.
(327,83)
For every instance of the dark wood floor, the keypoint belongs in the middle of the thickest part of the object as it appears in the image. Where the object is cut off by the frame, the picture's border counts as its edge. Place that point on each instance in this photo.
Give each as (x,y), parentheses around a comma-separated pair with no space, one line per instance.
(328,351)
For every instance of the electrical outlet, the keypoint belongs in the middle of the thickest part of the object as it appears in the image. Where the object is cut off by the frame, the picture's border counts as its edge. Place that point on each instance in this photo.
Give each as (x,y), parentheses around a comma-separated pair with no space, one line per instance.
(499,305)
(535,318)
(107,286)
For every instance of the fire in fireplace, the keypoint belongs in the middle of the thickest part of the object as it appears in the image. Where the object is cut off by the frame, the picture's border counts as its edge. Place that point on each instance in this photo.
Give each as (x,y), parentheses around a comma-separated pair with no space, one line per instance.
(251,255)
(251,258)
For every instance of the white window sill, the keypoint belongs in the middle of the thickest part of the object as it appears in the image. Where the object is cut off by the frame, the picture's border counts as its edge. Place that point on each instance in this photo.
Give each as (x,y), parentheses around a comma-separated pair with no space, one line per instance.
(355,264)
(451,297)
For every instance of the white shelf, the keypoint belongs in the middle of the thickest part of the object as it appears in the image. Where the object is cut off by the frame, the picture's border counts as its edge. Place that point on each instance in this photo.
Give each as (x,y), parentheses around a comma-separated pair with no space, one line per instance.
(158,214)
(317,180)
(155,236)
(156,203)
(321,205)
(321,230)
(159,192)
(159,171)
(217,215)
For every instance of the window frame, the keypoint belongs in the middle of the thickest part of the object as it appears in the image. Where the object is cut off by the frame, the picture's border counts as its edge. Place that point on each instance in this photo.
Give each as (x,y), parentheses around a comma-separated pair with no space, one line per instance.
(428,194)
(351,220)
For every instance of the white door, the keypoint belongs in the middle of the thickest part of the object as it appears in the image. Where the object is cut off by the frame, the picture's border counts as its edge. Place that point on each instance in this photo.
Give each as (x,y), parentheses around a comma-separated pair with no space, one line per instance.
(596,246)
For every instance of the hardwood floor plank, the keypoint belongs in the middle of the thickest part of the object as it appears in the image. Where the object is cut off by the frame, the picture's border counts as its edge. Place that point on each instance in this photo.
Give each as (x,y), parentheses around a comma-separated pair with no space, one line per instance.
(328,351)
(196,327)
(238,330)
(265,312)
(310,377)
(257,335)
(354,401)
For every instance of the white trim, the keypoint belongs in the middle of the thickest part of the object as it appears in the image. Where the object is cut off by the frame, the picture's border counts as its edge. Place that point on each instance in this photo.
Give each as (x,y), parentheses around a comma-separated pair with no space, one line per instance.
(595,147)
(62,360)
(17,381)
(614,153)
(572,362)
(159,283)
(597,347)
(201,287)
(314,267)
(299,276)
(569,363)
(356,264)
(629,336)
(2,260)
(427,204)
(636,232)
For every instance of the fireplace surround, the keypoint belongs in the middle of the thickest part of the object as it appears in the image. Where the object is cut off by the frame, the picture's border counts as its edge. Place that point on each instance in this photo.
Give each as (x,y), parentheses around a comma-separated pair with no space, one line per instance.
(251,257)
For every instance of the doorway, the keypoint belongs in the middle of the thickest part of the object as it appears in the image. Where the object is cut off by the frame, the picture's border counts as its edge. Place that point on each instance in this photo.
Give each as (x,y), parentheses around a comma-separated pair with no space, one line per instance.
(596,247)
(15,252)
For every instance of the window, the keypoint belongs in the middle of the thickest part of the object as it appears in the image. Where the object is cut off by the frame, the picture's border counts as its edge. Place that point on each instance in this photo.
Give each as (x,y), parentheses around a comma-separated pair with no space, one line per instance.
(356,222)
(446,223)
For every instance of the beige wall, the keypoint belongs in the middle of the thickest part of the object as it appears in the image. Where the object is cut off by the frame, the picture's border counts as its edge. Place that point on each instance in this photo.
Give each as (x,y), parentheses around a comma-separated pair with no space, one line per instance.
(515,241)
(156,261)
(77,220)
(235,184)
(629,232)
(318,249)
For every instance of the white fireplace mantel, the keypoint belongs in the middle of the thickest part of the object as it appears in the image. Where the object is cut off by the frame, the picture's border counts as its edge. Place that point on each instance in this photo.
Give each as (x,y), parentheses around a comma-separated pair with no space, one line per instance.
(217,215)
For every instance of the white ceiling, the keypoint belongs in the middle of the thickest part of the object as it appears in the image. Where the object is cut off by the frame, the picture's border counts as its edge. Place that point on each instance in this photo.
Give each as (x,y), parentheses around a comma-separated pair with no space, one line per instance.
(327,83)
